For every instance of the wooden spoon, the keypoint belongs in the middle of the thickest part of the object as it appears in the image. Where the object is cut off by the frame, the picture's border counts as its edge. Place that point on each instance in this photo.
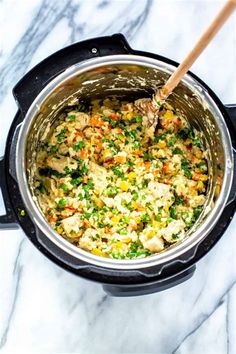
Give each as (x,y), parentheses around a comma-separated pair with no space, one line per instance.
(150,107)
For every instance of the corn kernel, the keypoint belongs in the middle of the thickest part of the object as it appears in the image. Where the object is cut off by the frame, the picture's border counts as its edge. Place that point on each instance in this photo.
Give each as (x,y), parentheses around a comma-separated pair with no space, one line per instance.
(124,186)
(188,141)
(161,144)
(107,154)
(198,154)
(156,224)
(151,234)
(59,230)
(98,252)
(133,204)
(139,162)
(60,193)
(126,239)
(166,208)
(168,114)
(115,219)
(118,245)
(200,186)
(129,115)
(204,178)
(132,176)
(98,202)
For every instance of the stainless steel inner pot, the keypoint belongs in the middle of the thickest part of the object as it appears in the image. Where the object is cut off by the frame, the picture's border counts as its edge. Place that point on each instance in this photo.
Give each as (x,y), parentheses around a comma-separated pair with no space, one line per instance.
(127,76)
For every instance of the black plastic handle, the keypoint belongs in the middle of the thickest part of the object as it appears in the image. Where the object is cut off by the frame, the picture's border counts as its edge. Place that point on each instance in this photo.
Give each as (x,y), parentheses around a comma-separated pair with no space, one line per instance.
(28,88)
(7,221)
(231,110)
(149,288)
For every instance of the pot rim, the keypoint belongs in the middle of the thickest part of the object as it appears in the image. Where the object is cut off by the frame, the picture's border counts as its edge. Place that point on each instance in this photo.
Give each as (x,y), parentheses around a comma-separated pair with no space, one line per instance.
(167,256)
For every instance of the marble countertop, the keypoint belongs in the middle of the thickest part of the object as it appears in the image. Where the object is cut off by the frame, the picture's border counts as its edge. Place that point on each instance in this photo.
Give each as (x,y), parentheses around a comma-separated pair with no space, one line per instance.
(42,307)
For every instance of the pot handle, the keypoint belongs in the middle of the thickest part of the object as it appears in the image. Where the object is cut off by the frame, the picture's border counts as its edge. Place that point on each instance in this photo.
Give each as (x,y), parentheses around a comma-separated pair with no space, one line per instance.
(7,221)
(28,88)
(231,110)
(149,288)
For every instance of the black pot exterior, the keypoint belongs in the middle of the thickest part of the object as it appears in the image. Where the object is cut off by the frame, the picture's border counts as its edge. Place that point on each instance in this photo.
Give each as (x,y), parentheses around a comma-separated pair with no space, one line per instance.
(116,283)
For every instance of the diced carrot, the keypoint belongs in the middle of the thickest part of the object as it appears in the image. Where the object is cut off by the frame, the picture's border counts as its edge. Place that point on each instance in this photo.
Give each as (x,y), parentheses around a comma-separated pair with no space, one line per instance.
(196,176)
(110,162)
(199,177)
(96,156)
(52,219)
(99,146)
(85,179)
(87,223)
(79,133)
(96,122)
(83,154)
(113,116)
(178,122)
(117,131)
(147,165)
(140,207)
(166,167)
(120,159)
(192,188)
(137,152)
(194,159)
(166,181)
(139,163)
(70,207)
(107,230)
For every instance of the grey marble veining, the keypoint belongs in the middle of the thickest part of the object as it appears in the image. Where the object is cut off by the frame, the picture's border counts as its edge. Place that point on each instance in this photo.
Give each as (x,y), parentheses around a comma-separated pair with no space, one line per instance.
(42,307)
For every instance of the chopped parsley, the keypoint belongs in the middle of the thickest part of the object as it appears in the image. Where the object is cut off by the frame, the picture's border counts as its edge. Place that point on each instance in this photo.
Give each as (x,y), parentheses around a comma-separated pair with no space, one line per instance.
(71,117)
(62,203)
(61,136)
(80,145)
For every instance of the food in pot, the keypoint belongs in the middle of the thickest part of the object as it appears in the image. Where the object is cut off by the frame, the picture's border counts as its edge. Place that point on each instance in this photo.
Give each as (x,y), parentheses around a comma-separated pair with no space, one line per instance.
(111,189)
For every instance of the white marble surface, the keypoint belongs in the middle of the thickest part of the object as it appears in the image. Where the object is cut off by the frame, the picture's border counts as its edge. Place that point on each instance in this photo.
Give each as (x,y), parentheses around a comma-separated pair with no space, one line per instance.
(42,307)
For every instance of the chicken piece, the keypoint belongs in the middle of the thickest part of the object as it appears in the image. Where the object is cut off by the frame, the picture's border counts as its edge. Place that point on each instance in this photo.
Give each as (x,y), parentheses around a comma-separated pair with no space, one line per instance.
(196,201)
(50,185)
(71,225)
(173,228)
(160,190)
(148,107)
(82,120)
(86,242)
(60,164)
(98,174)
(108,201)
(90,132)
(155,244)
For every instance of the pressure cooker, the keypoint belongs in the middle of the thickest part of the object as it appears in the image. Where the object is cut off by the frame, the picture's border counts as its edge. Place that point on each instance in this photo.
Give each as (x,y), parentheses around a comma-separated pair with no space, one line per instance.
(99,68)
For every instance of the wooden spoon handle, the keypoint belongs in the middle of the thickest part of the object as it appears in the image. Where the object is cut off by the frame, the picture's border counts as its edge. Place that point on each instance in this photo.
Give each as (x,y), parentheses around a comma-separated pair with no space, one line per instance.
(202,43)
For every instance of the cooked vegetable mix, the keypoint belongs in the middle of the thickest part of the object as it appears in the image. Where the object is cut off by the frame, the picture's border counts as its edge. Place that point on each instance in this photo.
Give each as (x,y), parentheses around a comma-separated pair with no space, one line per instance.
(111,189)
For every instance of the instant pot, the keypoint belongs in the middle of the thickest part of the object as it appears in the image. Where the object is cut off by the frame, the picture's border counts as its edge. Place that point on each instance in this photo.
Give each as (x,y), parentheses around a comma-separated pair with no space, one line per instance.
(98,68)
